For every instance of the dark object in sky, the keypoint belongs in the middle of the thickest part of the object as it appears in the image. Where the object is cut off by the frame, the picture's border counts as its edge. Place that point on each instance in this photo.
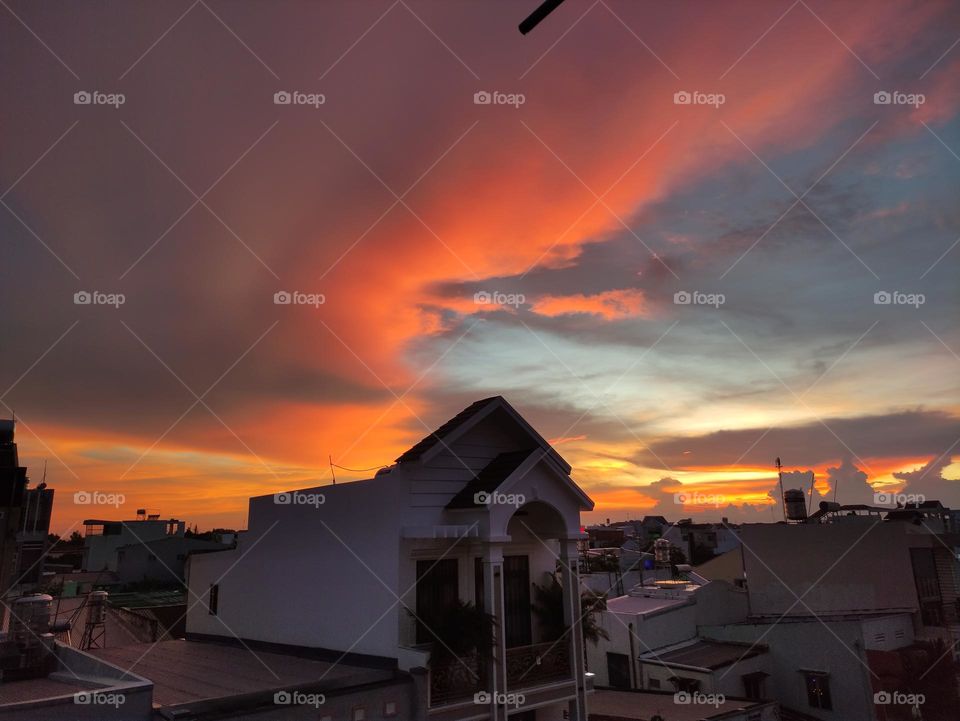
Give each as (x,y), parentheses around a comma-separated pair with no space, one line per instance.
(534,18)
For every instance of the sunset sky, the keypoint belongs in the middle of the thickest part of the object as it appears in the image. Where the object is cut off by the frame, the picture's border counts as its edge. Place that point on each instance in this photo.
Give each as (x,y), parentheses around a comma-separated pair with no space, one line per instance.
(794,198)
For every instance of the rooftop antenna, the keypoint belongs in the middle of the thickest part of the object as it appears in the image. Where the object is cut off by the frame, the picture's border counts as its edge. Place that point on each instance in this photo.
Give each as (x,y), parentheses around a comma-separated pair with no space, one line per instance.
(813,482)
(332,472)
(783,501)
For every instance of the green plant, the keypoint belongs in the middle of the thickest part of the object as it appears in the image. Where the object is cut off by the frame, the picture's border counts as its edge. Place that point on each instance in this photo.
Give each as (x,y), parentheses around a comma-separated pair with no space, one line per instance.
(458,631)
(548,606)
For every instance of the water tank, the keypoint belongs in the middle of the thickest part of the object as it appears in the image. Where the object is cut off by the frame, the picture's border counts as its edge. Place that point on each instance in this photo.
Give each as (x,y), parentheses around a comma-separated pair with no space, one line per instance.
(661,550)
(30,618)
(97,613)
(796,504)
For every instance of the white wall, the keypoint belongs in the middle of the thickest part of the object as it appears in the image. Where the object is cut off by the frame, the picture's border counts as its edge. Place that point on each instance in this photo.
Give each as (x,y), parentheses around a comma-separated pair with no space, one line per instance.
(794,645)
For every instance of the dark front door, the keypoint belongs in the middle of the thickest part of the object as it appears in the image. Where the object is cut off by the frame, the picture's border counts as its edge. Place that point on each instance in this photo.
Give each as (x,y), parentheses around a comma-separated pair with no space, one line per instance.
(516,596)
(436,592)
(618,670)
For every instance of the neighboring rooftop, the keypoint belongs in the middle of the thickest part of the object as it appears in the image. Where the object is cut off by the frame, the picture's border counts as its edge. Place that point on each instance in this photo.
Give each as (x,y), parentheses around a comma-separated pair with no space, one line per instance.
(637,605)
(643,705)
(185,672)
(706,654)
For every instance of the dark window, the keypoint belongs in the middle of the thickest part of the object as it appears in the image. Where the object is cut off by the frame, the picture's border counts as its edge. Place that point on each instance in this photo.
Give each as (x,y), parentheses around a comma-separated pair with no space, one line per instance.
(753,685)
(437,589)
(690,685)
(213,599)
(478,582)
(516,596)
(654,683)
(618,670)
(928,586)
(818,690)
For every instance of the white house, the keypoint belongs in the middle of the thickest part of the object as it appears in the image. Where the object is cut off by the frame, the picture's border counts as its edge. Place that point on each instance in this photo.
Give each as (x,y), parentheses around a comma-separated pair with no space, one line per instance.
(478,511)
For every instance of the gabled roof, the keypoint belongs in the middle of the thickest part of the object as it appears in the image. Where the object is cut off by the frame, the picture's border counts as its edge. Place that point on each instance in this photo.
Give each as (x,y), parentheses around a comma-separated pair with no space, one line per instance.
(490,478)
(422,446)
(466,419)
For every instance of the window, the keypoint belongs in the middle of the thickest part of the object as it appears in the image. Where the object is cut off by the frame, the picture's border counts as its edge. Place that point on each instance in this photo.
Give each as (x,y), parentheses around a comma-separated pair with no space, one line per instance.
(390,709)
(690,685)
(618,670)
(753,685)
(654,683)
(213,598)
(818,690)
(437,589)
(359,713)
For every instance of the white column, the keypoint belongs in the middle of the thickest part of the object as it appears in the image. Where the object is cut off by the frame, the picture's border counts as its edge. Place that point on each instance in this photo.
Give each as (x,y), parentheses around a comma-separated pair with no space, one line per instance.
(493,604)
(570,580)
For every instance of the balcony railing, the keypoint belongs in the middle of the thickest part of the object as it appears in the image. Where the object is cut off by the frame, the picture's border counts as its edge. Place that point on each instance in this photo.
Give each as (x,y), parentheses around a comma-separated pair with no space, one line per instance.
(458,679)
(455,679)
(538,664)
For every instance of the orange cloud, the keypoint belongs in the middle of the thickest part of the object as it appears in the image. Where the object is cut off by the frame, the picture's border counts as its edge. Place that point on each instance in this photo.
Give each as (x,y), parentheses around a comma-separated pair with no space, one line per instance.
(609,305)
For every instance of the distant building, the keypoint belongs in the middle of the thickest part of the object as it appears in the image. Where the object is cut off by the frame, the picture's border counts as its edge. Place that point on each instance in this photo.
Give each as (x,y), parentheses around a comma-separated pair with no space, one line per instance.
(24,516)
(161,560)
(32,537)
(702,541)
(102,538)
